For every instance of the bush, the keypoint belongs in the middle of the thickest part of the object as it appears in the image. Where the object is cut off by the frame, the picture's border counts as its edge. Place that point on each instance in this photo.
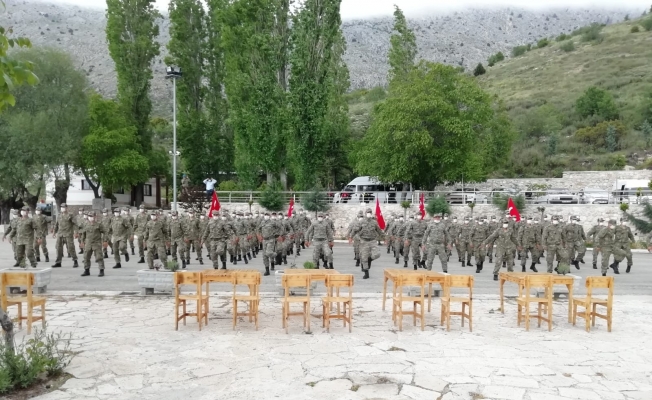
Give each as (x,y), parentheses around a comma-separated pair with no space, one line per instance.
(315,201)
(647,24)
(592,33)
(376,94)
(44,353)
(228,186)
(597,135)
(438,205)
(496,58)
(479,70)
(500,201)
(562,37)
(309,265)
(567,46)
(635,29)
(596,101)
(542,43)
(271,198)
(519,51)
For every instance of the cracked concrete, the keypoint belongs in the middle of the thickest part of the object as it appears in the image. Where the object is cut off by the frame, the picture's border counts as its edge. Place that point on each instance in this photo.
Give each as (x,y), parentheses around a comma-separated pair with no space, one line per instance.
(130,350)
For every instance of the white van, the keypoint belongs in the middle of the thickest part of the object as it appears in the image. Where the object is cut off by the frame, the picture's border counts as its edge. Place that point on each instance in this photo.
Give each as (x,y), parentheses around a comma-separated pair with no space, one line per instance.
(366,189)
(626,190)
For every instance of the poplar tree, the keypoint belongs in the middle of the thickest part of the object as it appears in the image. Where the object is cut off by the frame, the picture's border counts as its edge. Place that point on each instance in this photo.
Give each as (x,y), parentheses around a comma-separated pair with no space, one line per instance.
(403,48)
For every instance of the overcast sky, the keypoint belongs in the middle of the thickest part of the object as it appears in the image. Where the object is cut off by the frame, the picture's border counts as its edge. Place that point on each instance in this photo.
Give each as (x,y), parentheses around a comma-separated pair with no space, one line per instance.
(370,8)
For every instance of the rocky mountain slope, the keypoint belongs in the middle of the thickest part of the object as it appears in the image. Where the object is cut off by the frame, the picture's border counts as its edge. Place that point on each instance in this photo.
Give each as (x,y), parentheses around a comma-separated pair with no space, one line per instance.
(459,38)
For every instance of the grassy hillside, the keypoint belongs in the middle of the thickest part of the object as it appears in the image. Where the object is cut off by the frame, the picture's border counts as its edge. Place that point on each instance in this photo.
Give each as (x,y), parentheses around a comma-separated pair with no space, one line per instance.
(540,89)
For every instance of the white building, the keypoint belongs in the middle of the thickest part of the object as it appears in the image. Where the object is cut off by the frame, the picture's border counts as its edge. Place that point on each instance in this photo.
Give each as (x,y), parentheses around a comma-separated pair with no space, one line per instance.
(81,194)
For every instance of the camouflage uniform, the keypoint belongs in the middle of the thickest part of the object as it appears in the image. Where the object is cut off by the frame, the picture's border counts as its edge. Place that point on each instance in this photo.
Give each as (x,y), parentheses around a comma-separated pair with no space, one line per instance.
(607,244)
(218,233)
(177,234)
(493,225)
(437,240)
(193,235)
(399,243)
(454,230)
(155,236)
(64,227)
(94,236)
(106,222)
(80,220)
(481,231)
(242,231)
(140,222)
(356,239)
(414,232)
(12,227)
(24,234)
(41,222)
(288,238)
(132,222)
(553,241)
(320,234)
(575,239)
(203,226)
(592,234)
(505,239)
(388,228)
(624,239)
(369,232)
(529,239)
(268,230)
(466,249)
(119,233)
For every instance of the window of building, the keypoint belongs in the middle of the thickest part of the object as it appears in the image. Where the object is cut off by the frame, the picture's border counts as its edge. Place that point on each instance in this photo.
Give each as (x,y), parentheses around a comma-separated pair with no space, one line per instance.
(85,185)
(119,191)
(147,189)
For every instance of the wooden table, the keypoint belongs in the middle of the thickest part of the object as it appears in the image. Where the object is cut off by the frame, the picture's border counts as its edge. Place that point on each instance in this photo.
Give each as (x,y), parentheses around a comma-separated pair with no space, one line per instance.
(390,274)
(519,279)
(222,275)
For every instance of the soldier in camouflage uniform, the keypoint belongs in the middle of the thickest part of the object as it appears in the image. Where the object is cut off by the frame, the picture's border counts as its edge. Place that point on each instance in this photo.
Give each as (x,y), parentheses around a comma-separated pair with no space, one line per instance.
(252,228)
(320,234)
(608,246)
(268,232)
(554,243)
(356,239)
(575,239)
(369,232)
(592,235)
(241,230)
(454,232)
(493,225)
(466,243)
(64,229)
(80,220)
(305,223)
(41,222)
(506,243)
(624,239)
(106,221)
(94,239)
(24,234)
(436,241)
(388,228)
(11,227)
(219,232)
(529,240)
(140,222)
(193,234)
(155,236)
(413,236)
(203,226)
(481,232)
(177,234)
(288,238)
(399,243)
(132,222)
(119,232)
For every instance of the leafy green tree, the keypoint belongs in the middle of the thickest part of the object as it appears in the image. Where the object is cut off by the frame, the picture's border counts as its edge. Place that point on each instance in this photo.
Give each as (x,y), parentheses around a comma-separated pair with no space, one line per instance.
(646,129)
(111,154)
(315,201)
(611,139)
(14,72)
(315,29)
(553,140)
(596,101)
(272,197)
(438,205)
(403,48)
(427,130)
(642,225)
(496,138)
(479,70)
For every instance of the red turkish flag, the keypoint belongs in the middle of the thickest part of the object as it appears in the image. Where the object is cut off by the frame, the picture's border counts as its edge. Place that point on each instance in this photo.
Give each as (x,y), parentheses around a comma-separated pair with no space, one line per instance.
(291,207)
(422,205)
(379,216)
(215,205)
(513,211)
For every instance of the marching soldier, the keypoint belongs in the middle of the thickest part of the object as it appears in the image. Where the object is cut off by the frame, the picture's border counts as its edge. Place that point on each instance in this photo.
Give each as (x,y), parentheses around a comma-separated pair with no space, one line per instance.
(177,234)
(356,239)
(575,239)
(193,236)
(321,234)
(288,237)
(388,229)
(369,232)
(414,232)
(155,236)
(493,225)
(41,222)
(268,232)
(24,234)
(554,243)
(12,227)
(506,243)
(140,222)
(241,230)
(106,222)
(64,231)
(218,233)
(592,234)
(607,244)
(79,225)
(119,232)
(454,232)
(132,221)
(624,238)
(436,241)
(529,239)
(466,242)
(480,233)
(93,234)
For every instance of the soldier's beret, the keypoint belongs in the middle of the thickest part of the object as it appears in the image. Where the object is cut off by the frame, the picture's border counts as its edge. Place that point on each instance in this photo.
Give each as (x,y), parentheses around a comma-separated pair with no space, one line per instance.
(257,212)
(612,222)
(266,213)
(320,215)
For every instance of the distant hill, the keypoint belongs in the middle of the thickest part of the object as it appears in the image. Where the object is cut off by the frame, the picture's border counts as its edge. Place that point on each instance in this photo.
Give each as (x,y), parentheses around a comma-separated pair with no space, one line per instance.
(459,38)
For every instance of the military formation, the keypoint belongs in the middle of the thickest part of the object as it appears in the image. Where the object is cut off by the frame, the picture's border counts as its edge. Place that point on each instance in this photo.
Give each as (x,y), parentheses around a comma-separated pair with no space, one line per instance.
(243,235)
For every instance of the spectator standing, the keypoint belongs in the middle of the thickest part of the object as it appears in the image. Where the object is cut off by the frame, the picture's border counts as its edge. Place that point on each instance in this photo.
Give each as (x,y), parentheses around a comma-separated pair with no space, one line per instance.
(210,187)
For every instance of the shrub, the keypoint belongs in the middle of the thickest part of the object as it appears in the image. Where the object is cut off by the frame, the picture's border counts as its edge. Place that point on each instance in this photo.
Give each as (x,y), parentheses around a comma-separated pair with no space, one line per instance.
(647,24)
(479,70)
(519,51)
(567,46)
(611,139)
(635,29)
(315,201)
(228,186)
(496,58)
(596,101)
(376,94)
(597,135)
(271,198)
(309,265)
(562,37)
(438,205)
(592,33)
(500,201)
(542,43)
(552,145)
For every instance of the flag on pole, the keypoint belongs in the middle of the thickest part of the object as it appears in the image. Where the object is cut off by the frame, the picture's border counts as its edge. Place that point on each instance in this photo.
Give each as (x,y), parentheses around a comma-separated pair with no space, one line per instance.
(379,216)
(291,207)
(513,211)
(422,205)
(215,205)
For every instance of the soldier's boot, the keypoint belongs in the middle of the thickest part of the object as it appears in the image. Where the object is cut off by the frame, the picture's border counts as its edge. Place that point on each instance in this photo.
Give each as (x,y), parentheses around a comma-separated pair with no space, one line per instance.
(183,264)
(491,260)
(357,262)
(532,267)
(239,257)
(132,252)
(81,251)
(423,264)
(223,264)
(117,266)
(519,257)
(285,259)
(388,250)
(557,270)
(595,266)
(101,273)
(396,262)
(330,265)
(468,262)
(142,260)
(478,268)
(249,255)
(38,259)
(201,262)
(415,267)
(405,266)
(279,260)
(246,260)
(522,268)
(615,267)
(167,252)
(112,251)
(576,264)
(106,254)
(253,254)
(126,256)
(187,261)
(366,274)
(273,266)
(17,264)
(56,265)
(495,277)
(504,264)
(605,274)
(47,258)
(86,272)
(75,264)
(629,268)
(69,256)
(156,256)
(266,271)
(582,261)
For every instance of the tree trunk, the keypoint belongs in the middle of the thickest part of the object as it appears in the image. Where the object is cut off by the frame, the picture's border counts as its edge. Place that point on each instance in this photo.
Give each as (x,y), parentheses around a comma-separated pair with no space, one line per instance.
(95,187)
(4,212)
(283,177)
(137,194)
(270,178)
(8,328)
(158,192)
(61,187)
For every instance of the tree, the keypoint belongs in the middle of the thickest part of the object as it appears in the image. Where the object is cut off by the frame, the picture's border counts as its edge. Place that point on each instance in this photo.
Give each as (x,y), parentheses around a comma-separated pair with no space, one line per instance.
(646,129)
(315,201)
(641,225)
(599,102)
(552,145)
(479,70)
(598,135)
(131,33)
(611,139)
(434,117)
(501,201)
(272,198)
(438,205)
(403,48)
(315,29)
(111,153)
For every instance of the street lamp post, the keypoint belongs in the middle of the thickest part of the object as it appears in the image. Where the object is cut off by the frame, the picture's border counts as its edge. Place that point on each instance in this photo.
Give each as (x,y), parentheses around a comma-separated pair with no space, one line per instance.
(173,74)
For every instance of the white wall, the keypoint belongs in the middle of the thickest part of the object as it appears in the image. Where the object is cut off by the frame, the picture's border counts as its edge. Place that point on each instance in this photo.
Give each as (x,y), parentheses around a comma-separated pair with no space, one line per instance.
(79,197)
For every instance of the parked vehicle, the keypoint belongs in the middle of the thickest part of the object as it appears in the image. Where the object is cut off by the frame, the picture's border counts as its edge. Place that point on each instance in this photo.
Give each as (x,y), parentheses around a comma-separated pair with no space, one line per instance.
(465,196)
(366,189)
(558,196)
(594,196)
(633,191)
